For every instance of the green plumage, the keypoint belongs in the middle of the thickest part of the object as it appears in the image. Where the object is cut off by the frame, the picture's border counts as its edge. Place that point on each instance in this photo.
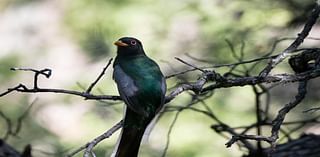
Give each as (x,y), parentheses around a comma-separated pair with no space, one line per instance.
(142,87)
(147,78)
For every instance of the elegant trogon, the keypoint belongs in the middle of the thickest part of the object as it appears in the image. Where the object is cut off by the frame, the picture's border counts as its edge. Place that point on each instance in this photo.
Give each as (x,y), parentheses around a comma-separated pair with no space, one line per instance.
(142,87)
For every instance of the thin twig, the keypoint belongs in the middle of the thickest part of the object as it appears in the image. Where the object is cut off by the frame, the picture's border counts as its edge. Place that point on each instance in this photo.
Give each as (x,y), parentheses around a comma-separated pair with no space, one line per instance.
(169,133)
(189,64)
(99,77)
(295,44)
(89,146)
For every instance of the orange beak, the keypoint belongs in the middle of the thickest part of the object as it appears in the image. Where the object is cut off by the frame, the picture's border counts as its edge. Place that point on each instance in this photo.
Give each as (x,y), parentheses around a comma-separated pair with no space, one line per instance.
(120,43)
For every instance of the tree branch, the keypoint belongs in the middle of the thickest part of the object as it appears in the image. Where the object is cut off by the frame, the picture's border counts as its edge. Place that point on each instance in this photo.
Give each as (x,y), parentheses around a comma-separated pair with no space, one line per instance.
(89,146)
(295,44)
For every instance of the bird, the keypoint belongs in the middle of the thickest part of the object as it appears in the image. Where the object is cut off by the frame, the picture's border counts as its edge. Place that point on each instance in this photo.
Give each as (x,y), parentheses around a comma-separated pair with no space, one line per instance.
(142,87)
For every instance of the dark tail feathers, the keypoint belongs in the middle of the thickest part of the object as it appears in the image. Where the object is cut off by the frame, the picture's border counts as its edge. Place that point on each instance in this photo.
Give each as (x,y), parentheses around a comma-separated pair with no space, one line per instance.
(132,133)
(129,142)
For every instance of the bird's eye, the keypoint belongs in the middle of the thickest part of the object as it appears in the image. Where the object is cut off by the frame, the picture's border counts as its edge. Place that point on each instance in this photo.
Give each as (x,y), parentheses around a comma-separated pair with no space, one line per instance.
(133,42)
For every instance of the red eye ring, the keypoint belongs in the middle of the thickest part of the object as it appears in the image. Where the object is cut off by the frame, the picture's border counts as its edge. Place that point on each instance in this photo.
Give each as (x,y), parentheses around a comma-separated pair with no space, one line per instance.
(133,42)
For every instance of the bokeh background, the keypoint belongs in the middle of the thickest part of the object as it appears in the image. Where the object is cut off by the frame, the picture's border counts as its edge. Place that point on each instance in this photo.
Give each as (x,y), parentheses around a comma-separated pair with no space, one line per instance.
(74,38)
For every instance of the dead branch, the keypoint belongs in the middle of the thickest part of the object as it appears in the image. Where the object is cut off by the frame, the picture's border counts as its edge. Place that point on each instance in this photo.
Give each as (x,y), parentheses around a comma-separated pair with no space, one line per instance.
(90,145)
(295,44)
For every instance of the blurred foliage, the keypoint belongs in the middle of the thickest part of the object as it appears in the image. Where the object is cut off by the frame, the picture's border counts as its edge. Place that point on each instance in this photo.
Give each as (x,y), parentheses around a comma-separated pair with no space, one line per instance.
(167,29)
(216,21)
(7,61)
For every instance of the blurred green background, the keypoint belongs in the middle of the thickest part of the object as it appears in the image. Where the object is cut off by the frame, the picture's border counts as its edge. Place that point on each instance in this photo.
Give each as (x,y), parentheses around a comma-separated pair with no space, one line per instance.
(74,39)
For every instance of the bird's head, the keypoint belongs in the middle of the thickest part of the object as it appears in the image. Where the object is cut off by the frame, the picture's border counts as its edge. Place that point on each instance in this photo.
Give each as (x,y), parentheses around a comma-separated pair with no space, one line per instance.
(129,46)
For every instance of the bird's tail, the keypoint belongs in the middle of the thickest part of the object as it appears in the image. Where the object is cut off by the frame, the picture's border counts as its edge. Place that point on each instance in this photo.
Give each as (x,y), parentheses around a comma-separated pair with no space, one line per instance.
(131,135)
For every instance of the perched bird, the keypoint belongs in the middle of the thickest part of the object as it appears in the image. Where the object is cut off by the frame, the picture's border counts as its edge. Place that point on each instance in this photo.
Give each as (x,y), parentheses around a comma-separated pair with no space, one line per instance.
(142,87)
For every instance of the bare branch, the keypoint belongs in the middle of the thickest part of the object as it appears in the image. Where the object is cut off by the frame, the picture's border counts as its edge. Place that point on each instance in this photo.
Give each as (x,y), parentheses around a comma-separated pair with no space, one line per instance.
(189,64)
(169,133)
(295,44)
(89,146)
(47,72)
(99,77)
(249,137)
(277,122)
(253,80)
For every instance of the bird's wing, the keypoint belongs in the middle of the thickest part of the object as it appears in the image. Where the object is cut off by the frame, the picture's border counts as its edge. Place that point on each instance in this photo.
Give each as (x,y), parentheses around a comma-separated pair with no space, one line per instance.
(156,118)
(127,90)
